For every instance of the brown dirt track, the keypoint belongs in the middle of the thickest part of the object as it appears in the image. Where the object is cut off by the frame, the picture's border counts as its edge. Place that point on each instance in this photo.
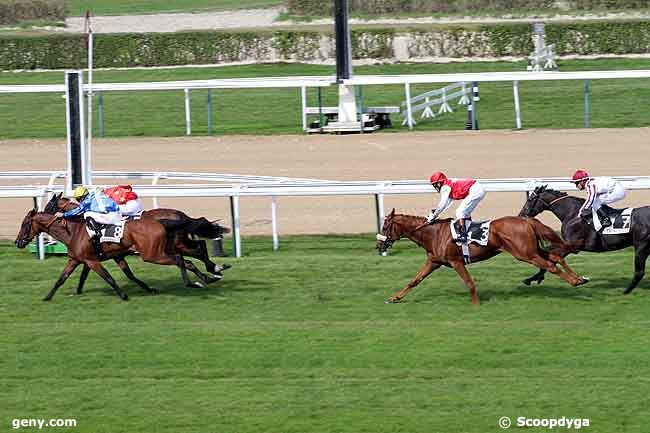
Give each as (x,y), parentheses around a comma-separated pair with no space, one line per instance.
(483,154)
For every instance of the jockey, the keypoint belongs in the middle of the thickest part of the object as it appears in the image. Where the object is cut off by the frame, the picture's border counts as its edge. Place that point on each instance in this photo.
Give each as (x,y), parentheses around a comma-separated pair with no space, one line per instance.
(470,191)
(600,190)
(126,199)
(96,208)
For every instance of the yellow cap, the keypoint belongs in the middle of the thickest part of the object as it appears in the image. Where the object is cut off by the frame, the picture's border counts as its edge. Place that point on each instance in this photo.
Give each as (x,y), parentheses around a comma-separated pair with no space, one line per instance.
(79,192)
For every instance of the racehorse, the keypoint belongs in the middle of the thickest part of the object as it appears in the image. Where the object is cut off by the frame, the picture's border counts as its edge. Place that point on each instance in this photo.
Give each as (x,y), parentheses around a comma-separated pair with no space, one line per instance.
(584,237)
(146,236)
(182,241)
(519,236)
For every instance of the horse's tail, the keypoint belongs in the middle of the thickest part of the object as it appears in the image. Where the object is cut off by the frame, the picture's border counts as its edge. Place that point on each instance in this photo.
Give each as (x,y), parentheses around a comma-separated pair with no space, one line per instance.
(545,233)
(200,227)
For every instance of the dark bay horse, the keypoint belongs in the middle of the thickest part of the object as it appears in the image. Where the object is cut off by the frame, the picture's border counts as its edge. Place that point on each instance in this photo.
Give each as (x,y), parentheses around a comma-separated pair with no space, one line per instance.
(519,236)
(148,237)
(584,237)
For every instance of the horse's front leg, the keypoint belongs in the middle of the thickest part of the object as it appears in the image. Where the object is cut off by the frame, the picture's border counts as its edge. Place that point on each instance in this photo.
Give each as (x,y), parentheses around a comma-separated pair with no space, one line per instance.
(67,271)
(461,270)
(102,272)
(426,269)
(538,278)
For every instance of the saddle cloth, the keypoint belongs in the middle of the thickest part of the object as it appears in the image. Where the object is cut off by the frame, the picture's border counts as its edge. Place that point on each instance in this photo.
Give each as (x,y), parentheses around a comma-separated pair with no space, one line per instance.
(110,233)
(478,232)
(621,219)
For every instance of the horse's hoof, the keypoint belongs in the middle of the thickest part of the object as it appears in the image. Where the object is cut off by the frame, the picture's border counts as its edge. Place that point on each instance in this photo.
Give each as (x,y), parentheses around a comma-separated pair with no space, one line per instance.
(196,285)
(124,297)
(526,282)
(216,277)
(391,301)
(225,266)
(154,291)
(47,299)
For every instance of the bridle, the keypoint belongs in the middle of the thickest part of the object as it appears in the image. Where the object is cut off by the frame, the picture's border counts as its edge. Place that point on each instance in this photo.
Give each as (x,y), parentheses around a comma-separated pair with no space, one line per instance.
(548,205)
(388,242)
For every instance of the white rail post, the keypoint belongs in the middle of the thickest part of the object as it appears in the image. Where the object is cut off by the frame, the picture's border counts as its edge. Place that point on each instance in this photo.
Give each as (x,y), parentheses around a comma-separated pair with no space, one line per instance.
(379,206)
(409,110)
(236,235)
(188,116)
(274,223)
(154,182)
(303,99)
(40,244)
(515,90)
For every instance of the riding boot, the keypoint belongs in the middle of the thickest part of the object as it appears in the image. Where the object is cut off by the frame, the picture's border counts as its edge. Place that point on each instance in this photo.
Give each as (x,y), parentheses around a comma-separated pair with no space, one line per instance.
(96,238)
(604,219)
(462,231)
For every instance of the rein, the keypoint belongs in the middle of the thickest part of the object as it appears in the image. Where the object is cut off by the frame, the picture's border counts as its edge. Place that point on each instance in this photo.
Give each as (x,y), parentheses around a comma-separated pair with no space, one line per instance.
(558,199)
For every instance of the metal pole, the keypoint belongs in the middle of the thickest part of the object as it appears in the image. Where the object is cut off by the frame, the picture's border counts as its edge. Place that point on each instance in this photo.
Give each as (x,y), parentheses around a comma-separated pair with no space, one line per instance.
(100,113)
(188,118)
(587,119)
(303,105)
(236,235)
(475,99)
(90,99)
(320,110)
(515,90)
(409,111)
(209,111)
(360,108)
(274,223)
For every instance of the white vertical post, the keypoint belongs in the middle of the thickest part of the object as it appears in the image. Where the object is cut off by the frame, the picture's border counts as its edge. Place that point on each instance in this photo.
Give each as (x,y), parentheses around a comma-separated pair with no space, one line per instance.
(188,118)
(38,201)
(515,90)
(90,99)
(274,223)
(379,202)
(409,111)
(236,235)
(303,97)
(154,182)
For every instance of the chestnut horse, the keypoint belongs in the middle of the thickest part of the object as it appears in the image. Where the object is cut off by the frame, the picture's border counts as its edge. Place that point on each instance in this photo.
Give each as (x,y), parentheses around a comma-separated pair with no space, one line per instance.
(519,236)
(181,241)
(148,237)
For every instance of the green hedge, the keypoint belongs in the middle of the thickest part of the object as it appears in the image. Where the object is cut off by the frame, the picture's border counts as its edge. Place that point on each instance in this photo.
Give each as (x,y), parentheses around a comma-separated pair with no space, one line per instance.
(162,49)
(320,8)
(16,11)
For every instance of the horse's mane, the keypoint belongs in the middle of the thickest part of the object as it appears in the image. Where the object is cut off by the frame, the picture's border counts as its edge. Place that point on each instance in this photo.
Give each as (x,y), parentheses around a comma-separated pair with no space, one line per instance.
(557,194)
(423,219)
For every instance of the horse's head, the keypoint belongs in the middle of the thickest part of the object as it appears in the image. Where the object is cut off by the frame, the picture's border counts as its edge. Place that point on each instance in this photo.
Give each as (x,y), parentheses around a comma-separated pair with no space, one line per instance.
(59,203)
(392,230)
(27,230)
(540,200)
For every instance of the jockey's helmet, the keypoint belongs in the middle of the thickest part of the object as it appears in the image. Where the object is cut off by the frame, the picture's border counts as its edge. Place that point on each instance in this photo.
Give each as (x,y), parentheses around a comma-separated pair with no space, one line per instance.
(579,176)
(436,177)
(79,192)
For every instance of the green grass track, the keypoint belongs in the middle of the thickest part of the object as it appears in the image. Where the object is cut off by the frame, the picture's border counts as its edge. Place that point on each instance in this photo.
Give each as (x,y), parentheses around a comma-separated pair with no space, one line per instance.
(301,341)
(546,104)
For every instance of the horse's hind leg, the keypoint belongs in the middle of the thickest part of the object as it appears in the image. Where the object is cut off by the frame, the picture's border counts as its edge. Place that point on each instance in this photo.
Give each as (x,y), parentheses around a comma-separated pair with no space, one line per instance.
(67,271)
(641,253)
(205,278)
(82,279)
(548,265)
(121,262)
(426,269)
(102,272)
(461,270)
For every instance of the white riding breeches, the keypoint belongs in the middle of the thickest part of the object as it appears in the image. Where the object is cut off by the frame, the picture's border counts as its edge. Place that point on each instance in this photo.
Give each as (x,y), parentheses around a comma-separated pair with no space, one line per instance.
(469,203)
(105,218)
(132,207)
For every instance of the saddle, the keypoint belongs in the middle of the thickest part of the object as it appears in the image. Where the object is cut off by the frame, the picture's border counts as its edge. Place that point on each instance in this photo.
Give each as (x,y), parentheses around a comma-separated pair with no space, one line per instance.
(620,218)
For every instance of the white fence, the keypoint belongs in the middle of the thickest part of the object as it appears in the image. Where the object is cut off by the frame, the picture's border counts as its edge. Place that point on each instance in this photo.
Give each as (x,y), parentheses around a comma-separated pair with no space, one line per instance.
(359,80)
(236,187)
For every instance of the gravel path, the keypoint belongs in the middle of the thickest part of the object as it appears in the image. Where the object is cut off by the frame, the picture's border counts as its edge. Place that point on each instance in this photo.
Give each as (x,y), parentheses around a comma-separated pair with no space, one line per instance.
(173,22)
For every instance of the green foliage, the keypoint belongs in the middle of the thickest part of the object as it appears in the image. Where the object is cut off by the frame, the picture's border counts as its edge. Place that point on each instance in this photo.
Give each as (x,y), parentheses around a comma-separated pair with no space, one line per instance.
(300,341)
(399,7)
(16,11)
